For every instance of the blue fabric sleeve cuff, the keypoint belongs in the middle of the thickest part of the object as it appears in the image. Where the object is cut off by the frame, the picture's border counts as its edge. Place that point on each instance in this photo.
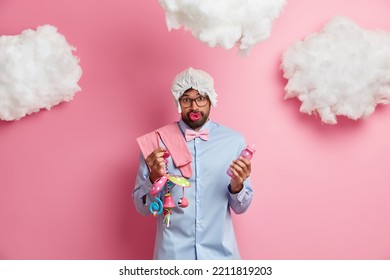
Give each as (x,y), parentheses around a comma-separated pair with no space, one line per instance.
(237,196)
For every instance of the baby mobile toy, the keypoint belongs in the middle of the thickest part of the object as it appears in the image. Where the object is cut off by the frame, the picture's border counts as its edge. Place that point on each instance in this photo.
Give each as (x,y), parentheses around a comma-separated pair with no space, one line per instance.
(165,184)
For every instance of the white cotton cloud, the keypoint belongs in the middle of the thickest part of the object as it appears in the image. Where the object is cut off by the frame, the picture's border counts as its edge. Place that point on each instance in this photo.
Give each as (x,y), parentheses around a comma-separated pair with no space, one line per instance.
(224,23)
(37,70)
(341,70)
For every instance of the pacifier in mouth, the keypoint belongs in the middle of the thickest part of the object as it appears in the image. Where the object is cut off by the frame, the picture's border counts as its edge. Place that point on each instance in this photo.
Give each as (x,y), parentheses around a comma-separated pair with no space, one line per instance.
(195,116)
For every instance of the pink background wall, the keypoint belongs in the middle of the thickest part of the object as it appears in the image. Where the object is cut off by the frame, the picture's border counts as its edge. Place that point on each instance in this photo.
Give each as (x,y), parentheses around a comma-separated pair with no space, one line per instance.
(66,175)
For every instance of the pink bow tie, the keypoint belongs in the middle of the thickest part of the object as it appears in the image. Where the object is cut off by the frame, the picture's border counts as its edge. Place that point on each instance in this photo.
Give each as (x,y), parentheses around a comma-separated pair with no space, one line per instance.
(191,135)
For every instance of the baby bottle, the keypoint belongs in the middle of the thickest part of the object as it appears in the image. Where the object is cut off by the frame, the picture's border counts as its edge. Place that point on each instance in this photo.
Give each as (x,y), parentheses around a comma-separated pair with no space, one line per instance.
(245,153)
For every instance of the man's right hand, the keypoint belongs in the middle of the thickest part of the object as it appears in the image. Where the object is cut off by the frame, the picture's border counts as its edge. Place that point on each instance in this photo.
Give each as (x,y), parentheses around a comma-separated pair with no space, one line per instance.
(156,164)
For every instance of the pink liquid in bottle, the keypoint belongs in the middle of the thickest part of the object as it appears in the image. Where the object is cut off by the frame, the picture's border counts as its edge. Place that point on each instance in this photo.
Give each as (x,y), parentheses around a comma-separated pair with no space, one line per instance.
(245,153)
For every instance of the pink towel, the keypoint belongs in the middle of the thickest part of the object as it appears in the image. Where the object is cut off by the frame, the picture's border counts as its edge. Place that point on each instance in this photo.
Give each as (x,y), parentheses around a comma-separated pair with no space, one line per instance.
(173,139)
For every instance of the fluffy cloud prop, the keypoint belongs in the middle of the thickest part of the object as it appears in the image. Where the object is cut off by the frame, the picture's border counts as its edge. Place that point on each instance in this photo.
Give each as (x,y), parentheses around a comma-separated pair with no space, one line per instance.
(224,23)
(37,70)
(341,70)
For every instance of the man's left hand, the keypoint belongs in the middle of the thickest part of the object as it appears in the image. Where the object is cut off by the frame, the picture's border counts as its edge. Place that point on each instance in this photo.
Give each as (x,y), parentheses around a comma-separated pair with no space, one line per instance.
(241,169)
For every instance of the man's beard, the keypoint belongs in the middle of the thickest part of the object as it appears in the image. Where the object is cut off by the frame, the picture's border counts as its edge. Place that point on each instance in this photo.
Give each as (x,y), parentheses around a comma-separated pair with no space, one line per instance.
(196,124)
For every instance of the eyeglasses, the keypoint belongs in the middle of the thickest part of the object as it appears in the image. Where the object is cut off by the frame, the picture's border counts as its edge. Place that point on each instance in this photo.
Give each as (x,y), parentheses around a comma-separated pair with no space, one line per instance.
(201,101)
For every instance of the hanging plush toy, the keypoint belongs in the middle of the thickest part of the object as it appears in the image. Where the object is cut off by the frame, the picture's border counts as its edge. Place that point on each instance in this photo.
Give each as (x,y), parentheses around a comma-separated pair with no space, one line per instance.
(165,184)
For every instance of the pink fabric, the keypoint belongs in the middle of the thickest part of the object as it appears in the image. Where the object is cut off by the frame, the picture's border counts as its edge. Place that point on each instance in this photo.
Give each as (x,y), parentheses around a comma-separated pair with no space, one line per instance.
(173,139)
(191,134)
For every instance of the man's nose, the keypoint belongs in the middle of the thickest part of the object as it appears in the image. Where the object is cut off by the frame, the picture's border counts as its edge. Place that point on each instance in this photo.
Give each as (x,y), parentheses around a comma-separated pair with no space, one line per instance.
(193,104)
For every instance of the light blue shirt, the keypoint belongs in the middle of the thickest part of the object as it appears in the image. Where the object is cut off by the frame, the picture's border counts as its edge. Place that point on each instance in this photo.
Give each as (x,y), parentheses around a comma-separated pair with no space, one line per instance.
(204,229)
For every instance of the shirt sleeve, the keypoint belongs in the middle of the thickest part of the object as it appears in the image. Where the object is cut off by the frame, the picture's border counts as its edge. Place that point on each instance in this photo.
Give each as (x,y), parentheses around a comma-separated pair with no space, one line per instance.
(239,202)
(142,188)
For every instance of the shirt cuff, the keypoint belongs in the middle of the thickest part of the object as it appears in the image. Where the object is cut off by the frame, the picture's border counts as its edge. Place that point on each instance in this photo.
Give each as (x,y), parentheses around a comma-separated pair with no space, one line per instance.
(237,196)
(145,189)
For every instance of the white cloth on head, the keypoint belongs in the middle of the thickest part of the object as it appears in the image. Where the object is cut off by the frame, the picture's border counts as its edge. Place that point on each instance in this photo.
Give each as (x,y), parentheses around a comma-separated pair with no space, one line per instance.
(195,79)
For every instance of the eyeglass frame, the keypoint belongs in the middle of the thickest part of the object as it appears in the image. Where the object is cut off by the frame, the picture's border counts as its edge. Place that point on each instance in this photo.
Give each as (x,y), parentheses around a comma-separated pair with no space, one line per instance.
(194,100)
